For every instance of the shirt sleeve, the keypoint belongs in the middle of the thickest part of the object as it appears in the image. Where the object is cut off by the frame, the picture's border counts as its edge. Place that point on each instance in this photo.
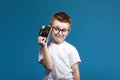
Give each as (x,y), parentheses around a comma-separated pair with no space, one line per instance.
(74,56)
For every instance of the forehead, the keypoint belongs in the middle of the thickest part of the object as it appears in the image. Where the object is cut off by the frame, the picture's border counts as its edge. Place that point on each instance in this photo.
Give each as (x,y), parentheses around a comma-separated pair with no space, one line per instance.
(61,24)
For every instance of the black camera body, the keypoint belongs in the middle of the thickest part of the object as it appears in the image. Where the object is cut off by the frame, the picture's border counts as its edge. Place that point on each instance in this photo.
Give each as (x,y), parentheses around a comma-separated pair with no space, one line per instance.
(45,31)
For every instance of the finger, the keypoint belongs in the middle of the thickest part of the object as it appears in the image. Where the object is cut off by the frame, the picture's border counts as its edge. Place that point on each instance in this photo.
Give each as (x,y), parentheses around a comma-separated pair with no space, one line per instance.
(44,39)
(40,39)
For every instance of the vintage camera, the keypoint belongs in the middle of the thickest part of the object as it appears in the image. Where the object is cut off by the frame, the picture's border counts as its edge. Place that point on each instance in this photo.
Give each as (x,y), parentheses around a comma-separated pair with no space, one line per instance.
(45,31)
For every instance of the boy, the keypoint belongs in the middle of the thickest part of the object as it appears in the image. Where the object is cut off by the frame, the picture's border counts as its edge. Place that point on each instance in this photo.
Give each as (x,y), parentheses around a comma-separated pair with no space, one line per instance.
(59,58)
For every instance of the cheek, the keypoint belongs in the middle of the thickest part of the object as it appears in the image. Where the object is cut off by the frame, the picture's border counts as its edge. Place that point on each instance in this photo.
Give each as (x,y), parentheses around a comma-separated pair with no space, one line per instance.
(53,34)
(65,36)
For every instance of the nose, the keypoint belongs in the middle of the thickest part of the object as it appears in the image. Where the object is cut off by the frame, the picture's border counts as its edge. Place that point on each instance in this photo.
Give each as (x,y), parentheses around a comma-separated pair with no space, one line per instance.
(60,32)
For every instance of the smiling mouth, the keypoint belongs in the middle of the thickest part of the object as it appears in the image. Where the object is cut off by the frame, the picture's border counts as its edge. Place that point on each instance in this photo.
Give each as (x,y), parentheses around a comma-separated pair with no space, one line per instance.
(58,36)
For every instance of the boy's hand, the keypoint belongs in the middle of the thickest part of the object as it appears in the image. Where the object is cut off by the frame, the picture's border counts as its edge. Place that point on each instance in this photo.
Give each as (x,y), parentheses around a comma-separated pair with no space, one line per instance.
(42,41)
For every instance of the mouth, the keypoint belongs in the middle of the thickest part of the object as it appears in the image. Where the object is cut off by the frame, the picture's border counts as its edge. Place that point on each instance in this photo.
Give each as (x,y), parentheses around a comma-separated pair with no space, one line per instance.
(58,36)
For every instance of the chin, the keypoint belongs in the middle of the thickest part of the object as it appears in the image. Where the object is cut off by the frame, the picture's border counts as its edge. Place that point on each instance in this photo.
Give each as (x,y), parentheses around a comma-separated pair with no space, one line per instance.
(58,41)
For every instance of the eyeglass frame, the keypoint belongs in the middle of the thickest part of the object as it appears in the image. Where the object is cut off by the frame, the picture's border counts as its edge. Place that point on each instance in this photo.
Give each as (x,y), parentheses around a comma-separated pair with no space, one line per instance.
(62,30)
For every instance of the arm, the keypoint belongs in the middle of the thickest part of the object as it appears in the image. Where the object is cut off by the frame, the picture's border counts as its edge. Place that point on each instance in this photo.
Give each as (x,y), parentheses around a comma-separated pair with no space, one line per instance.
(47,62)
(76,74)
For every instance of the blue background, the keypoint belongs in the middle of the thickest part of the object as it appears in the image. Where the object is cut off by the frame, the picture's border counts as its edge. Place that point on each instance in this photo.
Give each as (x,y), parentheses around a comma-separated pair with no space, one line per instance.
(95,33)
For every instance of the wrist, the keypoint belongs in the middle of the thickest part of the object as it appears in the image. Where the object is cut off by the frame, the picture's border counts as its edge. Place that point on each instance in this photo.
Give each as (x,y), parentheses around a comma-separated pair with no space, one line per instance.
(44,46)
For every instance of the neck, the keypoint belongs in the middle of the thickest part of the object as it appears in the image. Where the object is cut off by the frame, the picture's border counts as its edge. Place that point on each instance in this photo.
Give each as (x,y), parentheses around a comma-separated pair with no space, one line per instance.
(54,42)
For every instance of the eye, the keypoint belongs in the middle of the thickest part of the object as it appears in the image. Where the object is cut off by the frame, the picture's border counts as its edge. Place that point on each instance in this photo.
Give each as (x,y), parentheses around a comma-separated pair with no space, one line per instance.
(64,30)
(57,29)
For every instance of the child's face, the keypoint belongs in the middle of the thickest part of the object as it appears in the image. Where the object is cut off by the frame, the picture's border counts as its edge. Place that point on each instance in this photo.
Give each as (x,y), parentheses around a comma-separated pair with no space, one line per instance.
(60,31)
